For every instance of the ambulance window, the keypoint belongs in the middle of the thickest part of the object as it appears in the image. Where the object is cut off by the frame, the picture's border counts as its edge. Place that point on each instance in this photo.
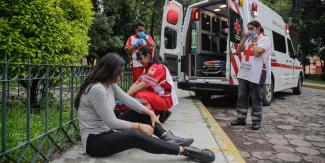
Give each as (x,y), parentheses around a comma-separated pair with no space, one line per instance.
(170,38)
(214,44)
(205,22)
(290,48)
(206,42)
(223,45)
(279,42)
(224,24)
(215,25)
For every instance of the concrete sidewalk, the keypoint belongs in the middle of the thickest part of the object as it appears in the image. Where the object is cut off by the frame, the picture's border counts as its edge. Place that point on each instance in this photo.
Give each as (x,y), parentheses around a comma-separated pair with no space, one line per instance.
(189,119)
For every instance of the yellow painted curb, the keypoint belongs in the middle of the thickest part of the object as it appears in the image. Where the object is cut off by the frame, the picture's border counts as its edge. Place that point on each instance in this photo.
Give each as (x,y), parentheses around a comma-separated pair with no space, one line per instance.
(316,86)
(227,147)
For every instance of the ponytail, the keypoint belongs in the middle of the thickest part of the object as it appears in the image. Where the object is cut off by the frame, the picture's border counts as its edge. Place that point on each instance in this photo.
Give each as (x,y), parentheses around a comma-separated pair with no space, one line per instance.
(262,30)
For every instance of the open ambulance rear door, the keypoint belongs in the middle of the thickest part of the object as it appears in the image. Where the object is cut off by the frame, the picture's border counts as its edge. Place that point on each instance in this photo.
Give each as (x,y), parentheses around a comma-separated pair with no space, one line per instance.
(235,20)
(171,47)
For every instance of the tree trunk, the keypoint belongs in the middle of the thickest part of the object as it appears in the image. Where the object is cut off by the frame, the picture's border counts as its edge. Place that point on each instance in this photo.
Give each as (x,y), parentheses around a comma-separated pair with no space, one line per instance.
(33,94)
(153,19)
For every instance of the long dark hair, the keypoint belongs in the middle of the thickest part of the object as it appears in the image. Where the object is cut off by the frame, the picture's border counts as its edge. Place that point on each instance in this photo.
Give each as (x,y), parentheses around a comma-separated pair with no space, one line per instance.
(257,25)
(108,68)
(154,58)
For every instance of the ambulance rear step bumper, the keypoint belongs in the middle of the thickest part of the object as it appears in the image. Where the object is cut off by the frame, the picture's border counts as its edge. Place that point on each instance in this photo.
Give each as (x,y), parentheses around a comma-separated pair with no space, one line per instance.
(215,88)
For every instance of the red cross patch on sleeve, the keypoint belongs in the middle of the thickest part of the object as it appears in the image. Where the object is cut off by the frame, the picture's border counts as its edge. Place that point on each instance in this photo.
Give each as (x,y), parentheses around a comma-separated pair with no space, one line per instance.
(152,71)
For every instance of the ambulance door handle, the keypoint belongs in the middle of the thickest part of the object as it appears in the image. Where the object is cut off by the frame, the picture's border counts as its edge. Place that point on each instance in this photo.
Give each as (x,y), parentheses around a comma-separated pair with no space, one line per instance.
(289,61)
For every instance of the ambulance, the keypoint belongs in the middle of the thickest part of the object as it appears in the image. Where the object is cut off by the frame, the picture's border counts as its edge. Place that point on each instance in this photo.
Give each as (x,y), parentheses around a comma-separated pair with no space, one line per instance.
(199,46)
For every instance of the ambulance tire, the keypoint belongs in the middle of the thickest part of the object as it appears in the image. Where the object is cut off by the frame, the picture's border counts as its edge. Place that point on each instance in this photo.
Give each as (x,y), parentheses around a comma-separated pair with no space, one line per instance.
(297,90)
(268,94)
(202,95)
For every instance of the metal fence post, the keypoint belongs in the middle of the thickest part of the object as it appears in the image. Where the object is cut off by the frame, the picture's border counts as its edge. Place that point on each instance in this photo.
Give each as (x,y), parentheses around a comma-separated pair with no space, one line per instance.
(60,95)
(47,82)
(28,83)
(71,93)
(4,103)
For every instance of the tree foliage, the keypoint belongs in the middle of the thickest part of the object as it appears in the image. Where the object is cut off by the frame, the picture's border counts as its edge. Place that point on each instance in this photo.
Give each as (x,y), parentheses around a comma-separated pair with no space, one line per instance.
(45,30)
(307,21)
(114,23)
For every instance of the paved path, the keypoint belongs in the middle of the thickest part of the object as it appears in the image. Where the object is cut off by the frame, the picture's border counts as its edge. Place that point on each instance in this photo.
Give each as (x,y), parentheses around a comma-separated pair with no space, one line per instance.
(188,120)
(293,128)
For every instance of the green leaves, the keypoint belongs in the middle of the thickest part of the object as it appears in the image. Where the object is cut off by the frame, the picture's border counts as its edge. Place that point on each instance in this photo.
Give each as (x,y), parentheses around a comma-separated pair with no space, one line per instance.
(54,31)
(307,21)
(114,23)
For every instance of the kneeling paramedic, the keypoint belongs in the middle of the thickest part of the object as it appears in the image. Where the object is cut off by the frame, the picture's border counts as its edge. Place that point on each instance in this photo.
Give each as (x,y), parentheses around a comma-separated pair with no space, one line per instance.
(155,85)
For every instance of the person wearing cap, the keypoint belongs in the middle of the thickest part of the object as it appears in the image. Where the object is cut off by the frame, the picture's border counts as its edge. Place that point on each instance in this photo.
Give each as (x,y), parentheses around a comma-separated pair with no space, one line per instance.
(155,85)
(133,43)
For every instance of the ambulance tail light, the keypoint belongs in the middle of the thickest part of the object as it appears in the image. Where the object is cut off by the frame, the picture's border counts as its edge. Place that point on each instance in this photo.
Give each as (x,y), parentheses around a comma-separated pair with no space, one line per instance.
(286,27)
(241,2)
(195,14)
(254,9)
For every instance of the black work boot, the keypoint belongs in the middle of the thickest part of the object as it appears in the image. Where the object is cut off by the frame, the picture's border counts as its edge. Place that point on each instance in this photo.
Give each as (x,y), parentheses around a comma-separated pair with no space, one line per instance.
(171,138)
(256,126)
(238,122)
(164,115)
(199,155)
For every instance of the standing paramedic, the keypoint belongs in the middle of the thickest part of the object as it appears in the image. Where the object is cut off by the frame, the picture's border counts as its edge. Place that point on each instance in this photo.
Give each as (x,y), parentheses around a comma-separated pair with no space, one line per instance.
(254,72)
(155,85)
(133,43)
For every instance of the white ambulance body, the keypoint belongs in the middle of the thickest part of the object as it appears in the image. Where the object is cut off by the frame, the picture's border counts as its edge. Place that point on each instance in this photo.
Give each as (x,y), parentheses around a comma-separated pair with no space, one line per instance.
(190,43)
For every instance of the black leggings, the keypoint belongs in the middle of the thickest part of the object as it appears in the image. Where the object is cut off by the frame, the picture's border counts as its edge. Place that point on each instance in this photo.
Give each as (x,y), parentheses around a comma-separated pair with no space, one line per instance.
(108,143)
(133,116)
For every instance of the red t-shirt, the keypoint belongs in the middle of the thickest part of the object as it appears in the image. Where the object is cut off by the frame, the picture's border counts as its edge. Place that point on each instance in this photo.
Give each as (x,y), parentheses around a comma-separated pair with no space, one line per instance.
(156,74)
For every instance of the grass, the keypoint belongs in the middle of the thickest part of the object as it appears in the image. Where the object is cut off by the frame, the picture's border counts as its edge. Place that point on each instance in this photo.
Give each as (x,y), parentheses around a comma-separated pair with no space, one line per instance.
(16,122)
(16,129)
(314,79)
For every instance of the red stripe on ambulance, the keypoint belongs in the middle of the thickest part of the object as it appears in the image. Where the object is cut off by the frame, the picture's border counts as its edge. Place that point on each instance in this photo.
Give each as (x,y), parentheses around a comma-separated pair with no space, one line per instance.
(285,66)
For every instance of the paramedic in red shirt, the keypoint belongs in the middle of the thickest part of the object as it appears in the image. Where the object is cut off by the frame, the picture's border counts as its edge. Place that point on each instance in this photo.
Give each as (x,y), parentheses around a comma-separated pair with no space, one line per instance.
(155,85)
(135,42)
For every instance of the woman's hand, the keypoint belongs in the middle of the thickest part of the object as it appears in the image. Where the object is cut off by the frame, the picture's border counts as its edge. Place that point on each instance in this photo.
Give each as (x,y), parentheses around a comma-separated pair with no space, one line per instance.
(255,37)
(146,129)
(154,118)
(246,34)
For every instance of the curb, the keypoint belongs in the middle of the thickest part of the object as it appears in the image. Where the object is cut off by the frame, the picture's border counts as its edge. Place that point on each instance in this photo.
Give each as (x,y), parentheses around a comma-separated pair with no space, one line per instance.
(227,147)
(309,85)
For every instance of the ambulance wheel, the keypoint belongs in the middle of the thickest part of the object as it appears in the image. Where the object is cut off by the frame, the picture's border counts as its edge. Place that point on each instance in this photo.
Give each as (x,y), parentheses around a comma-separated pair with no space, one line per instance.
(297,90)
(202,95)
(268,93)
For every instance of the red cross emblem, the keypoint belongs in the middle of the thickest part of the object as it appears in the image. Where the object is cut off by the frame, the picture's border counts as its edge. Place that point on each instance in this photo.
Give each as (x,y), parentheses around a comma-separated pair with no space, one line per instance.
(248,53)
(237,26)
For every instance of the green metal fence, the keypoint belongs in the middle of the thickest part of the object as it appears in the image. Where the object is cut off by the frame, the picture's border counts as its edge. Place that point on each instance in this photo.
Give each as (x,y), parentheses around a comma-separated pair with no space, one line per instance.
(37,113)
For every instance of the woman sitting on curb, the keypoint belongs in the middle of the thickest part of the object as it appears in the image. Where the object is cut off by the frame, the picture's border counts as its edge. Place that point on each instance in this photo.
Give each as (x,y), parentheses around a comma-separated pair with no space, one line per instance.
(103,134)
